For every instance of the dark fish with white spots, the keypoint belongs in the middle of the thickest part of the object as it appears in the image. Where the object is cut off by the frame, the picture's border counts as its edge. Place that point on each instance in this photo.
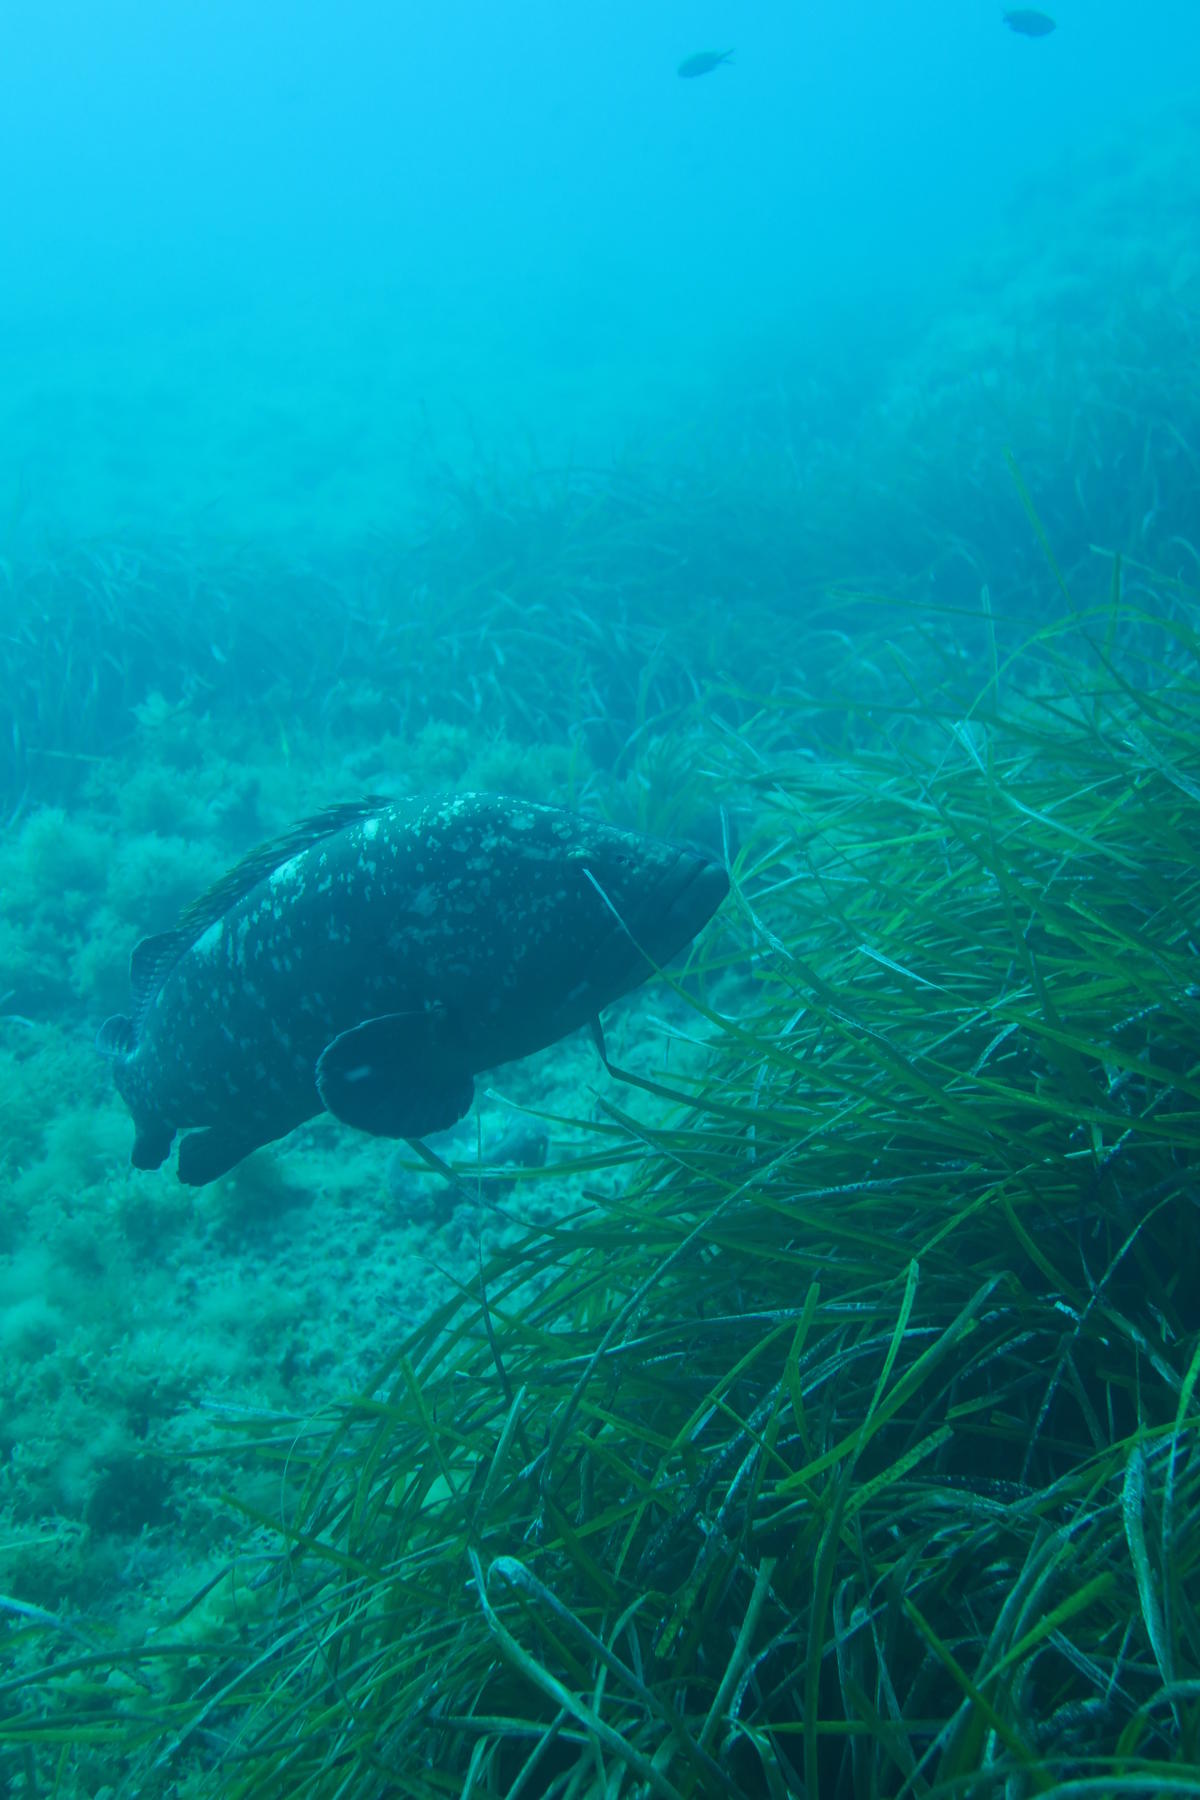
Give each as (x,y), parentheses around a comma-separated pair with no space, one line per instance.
(703,63)
(381,955)
(1028,23)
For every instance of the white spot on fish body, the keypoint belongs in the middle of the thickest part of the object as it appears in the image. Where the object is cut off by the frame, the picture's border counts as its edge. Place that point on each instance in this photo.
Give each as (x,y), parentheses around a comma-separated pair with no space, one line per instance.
(371,829)
(284,873)
(206,945)
(424,901)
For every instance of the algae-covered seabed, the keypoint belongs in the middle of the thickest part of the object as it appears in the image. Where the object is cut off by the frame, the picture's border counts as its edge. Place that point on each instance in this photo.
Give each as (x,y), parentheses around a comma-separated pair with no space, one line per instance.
(816,1415)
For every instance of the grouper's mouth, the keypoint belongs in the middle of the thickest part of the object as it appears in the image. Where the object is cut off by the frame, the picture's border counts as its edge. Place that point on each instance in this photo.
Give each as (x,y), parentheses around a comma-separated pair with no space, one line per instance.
(705,885)
(664,923)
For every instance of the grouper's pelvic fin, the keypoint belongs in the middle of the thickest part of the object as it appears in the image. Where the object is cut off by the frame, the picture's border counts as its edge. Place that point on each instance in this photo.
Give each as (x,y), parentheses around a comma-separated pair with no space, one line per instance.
(392,1076)
(152,1142)
(205,1154)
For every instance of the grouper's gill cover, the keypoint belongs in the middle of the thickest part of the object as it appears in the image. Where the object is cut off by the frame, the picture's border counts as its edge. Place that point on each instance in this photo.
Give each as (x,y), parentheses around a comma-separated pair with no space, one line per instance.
(381,955)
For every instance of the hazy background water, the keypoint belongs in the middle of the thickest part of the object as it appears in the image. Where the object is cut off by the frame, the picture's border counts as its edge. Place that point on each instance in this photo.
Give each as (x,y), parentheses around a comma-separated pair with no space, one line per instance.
(261,266)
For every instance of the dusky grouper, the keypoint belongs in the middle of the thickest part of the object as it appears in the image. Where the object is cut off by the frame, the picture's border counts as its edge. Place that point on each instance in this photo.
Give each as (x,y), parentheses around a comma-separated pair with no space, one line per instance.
(381,955)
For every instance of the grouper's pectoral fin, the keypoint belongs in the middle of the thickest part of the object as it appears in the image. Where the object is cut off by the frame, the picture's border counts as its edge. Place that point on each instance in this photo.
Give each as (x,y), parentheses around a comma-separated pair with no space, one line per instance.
(389,1076)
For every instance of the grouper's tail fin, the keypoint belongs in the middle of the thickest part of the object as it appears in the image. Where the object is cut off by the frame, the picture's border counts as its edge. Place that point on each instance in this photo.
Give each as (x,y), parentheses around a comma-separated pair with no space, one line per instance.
(152,1137)
(115,1037)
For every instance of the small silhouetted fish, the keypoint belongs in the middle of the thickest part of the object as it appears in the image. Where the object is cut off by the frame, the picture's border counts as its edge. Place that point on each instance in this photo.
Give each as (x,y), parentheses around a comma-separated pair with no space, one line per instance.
(703,63)
(1029,23)
(380,956)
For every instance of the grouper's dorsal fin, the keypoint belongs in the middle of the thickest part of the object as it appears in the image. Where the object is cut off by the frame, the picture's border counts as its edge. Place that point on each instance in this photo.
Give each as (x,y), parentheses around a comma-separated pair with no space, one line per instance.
(154,957)
(258,864)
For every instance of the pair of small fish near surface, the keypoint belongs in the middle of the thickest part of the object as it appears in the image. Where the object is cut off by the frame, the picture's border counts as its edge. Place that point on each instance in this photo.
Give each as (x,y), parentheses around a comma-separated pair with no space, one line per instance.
(703,63)
(1023,20)
(378,957)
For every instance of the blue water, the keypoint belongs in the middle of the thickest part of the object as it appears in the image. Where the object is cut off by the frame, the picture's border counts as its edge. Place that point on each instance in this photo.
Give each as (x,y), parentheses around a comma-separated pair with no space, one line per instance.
(260,265)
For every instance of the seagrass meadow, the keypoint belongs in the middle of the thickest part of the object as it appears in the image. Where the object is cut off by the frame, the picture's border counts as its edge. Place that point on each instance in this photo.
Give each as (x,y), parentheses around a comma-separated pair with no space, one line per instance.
(834,1430)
